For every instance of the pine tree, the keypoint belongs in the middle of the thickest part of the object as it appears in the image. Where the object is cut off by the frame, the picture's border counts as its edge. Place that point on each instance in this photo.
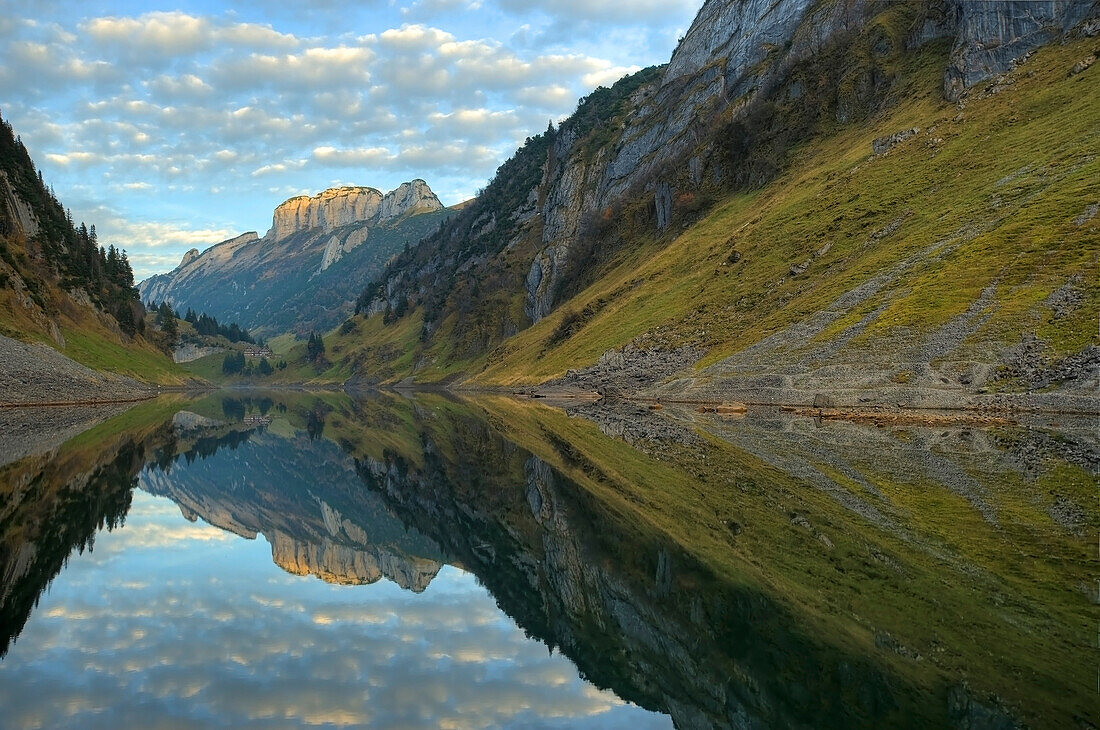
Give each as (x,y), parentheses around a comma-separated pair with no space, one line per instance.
(315,346)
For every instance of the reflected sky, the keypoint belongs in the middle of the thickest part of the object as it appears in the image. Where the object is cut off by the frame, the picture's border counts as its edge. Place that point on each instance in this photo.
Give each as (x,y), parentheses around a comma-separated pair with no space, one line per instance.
(169,623)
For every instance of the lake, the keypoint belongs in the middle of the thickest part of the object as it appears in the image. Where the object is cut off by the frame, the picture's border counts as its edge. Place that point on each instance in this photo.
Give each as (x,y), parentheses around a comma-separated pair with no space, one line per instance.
(280,559)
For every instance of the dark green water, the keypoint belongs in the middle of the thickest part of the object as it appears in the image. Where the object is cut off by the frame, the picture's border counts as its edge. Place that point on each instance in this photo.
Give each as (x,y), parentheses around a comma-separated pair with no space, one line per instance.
(278,560)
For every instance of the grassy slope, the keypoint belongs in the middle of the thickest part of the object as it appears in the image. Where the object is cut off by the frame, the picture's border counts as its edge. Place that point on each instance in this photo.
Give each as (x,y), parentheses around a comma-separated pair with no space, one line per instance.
(1010,173)
(94,345)
(369,350)
(101,350)
(88,335)
(1015,167)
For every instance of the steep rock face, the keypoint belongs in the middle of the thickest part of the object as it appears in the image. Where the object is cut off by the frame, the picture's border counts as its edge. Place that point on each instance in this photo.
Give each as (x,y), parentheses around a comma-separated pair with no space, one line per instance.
(19,212)
(338,207)
(732,50)
(411,197)
(193,269)
(305,272)
(992,35)
(190,256)
(327,210)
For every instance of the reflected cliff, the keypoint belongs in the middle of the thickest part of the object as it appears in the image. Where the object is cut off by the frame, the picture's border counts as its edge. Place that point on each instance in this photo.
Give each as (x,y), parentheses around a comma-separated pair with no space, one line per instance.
(767,571)
(302,494)
(772,570)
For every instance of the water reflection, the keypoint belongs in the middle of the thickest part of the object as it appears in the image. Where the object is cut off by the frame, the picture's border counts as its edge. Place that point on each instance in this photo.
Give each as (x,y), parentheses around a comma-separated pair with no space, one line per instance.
(765,572)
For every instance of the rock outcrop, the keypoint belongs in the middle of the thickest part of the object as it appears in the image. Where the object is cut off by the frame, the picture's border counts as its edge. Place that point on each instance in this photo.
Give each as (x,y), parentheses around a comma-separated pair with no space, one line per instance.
(301,274)
(190,256)
(993,35)
(338,207)
(22,217)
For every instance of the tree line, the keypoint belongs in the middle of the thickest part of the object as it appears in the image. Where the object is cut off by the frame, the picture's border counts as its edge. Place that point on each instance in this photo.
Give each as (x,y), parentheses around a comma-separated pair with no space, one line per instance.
(204,324)
(72,253)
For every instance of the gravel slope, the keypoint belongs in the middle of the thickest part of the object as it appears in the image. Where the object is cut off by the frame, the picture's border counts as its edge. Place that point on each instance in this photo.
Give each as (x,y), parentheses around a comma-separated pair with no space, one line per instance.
(36,374)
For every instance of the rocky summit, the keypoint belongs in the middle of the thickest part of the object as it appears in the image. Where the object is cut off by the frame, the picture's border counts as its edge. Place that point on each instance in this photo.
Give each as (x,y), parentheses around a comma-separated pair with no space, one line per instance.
(305,272)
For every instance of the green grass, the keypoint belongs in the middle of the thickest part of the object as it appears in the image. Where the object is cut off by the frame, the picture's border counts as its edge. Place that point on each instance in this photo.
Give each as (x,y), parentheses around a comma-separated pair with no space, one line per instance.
(100,352)
(683,292)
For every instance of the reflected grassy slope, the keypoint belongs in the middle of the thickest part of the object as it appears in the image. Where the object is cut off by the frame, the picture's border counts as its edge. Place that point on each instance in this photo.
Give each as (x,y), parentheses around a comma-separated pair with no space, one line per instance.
(933,566)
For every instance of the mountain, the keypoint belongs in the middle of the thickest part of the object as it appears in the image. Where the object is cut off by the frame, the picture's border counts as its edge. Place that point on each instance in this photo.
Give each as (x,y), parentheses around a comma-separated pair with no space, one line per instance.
(808,188)
(61,288)
(305,273)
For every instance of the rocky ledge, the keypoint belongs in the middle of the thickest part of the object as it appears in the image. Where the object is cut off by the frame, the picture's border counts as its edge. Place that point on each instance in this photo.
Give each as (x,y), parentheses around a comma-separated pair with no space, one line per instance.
(337,207)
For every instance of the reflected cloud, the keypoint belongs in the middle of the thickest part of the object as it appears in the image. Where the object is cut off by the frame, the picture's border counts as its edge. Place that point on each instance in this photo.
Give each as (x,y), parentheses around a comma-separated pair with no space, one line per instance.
(220,636)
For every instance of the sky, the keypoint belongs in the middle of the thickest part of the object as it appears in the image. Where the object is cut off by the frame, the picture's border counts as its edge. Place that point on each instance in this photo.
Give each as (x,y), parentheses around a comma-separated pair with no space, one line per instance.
(178,125)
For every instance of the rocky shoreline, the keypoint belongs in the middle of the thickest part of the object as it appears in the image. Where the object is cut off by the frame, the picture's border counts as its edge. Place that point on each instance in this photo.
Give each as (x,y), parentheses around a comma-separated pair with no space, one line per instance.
(28,430)
(37,375)
(667,376)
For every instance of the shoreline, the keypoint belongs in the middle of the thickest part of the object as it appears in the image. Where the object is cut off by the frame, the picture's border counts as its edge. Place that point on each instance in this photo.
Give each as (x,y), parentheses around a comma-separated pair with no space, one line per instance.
(974,411)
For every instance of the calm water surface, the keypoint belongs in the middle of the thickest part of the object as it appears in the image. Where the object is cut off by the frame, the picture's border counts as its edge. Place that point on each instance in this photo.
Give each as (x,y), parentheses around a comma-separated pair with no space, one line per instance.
(272,560)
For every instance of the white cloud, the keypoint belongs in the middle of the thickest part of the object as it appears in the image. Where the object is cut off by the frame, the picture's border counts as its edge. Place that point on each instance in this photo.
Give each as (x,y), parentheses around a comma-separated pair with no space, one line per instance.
(278,168)
(621,12)
(187,115)
(160,35)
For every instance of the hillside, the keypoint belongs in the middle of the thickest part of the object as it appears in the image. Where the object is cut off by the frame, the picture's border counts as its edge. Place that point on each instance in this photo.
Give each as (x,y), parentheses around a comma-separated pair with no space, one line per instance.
(864,212)
(61,287)
(306,272)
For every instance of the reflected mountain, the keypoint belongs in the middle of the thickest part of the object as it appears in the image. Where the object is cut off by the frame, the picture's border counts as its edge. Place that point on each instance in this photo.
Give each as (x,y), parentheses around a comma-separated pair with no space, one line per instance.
(769,571)
(57,499)
(302,494)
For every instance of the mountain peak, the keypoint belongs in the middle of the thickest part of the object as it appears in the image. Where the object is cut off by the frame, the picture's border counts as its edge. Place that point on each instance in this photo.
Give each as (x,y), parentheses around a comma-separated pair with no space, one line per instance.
(348,204)
(188,257)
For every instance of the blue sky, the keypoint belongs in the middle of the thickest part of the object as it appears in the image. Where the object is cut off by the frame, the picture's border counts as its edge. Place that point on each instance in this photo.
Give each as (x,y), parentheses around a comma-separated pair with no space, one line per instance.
(177,125)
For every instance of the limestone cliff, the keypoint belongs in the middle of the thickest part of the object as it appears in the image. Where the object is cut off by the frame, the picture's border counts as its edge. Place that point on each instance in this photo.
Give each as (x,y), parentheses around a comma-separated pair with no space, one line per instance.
(338,207)
(302,273)
(992,35)
(22,218)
